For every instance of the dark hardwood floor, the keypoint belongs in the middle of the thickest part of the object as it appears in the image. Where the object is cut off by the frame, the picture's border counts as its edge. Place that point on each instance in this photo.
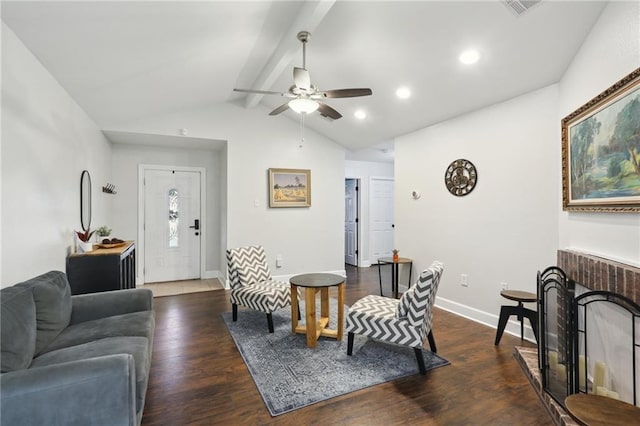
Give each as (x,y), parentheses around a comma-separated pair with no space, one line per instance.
(198,376)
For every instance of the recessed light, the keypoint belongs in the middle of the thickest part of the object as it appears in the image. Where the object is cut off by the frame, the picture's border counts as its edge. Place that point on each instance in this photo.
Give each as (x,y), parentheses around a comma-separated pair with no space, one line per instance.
(403,92)
(360,114)
(469,57)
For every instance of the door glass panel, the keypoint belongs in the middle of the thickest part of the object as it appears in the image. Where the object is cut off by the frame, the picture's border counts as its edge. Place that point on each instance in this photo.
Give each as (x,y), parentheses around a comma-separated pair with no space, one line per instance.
(173,217)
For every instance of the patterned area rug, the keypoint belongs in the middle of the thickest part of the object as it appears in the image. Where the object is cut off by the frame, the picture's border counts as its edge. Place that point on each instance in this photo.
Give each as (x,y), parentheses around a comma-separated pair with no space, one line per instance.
(289,375)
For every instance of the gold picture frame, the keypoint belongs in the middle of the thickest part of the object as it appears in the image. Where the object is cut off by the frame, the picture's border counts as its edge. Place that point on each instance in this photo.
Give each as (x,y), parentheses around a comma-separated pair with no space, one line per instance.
(601,151)
(289,188)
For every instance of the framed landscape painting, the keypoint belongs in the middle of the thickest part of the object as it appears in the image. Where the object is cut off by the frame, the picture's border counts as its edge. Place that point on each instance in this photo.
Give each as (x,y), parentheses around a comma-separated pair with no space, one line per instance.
(601,151)
(289,188)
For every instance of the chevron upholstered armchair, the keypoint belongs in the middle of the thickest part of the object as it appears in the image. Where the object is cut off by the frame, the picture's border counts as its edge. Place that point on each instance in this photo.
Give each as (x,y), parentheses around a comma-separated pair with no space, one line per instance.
(404,322)
(252,285)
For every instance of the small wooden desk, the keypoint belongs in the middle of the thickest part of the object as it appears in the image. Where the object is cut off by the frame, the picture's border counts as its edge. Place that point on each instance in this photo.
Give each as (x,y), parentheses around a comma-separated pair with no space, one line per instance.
(316,327)
(595,410)
(394,272)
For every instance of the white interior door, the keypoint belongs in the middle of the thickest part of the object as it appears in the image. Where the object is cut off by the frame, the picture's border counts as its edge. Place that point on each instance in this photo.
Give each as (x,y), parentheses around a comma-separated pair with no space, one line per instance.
(350,222)
(381,222)
(171,225)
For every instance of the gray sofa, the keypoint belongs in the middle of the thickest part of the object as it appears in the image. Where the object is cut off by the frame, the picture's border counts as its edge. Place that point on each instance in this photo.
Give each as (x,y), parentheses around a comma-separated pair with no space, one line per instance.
(73,360)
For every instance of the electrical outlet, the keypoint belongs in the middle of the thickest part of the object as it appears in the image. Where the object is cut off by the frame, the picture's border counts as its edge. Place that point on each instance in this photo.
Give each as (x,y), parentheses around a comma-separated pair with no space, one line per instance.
(279,261)
(464,280)
(504,286)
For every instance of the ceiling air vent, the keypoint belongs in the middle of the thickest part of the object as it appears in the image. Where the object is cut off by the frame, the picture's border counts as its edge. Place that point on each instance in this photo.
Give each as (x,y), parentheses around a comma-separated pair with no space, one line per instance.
(519,7)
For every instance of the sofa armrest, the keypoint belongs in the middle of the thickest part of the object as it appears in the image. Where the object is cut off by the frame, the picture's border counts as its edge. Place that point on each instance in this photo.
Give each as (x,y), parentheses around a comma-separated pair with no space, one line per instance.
(87,307)
(94,391)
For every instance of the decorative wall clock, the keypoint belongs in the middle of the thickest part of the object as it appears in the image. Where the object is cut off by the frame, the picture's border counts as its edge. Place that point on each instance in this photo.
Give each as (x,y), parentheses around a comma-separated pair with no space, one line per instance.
(461,177)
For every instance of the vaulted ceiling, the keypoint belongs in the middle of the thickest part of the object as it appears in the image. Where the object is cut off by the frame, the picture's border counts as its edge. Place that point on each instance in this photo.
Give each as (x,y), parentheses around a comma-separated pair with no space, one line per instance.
(123,61)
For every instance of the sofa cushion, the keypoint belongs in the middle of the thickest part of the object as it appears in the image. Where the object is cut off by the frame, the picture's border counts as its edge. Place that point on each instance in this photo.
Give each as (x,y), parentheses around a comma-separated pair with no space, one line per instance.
(17,328)
(140,324)
(52,295)
(138,347)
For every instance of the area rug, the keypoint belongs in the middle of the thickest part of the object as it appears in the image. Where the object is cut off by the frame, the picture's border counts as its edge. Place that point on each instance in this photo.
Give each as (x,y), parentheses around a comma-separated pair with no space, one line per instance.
(289,375)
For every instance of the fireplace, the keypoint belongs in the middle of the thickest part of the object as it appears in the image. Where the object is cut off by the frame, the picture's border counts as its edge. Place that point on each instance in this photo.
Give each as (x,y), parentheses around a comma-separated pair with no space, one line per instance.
(589,328)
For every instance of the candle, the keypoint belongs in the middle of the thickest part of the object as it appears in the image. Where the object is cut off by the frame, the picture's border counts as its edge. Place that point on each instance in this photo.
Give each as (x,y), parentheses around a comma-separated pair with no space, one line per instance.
(582,372)
(561,372)
(598,375)
(553,359)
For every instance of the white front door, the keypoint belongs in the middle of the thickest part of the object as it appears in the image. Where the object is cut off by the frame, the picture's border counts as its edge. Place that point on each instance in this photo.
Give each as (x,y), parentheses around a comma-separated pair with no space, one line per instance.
(171,225)
(350,222)
(381,222)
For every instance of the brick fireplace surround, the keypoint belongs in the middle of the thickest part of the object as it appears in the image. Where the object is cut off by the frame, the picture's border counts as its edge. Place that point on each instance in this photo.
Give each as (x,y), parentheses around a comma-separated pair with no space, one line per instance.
(595,273)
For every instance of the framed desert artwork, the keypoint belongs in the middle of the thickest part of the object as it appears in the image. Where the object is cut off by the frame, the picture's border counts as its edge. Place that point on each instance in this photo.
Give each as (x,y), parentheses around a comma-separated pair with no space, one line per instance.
(601,151)
(289,188)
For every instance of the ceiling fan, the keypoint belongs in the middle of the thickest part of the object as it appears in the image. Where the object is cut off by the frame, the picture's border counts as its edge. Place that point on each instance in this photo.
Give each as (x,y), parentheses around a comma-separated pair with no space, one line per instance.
(306,98)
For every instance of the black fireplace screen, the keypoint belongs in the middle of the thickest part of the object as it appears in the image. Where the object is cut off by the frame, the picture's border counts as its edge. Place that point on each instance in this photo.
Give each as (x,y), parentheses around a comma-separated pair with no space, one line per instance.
(588,340)
(554,352)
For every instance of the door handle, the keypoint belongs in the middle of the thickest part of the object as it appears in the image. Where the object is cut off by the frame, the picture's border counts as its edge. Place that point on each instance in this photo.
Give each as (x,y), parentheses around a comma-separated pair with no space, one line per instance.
(196,224)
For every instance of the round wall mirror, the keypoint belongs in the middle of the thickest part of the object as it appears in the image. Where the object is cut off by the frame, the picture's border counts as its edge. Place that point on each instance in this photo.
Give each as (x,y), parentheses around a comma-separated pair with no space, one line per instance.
(85,200)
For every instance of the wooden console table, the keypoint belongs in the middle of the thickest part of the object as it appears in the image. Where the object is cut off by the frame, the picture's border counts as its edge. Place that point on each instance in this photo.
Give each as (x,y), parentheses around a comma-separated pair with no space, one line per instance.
(102,269)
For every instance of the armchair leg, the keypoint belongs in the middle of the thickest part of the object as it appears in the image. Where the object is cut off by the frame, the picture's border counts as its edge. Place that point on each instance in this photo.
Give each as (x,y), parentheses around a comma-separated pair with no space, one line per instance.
(432,342)
(420,360)
(350,343)
(235,312)
(270,322)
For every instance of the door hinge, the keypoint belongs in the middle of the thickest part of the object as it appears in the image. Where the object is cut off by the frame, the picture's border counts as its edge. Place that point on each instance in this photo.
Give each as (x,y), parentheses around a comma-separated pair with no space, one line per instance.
(357,220)
(356,251)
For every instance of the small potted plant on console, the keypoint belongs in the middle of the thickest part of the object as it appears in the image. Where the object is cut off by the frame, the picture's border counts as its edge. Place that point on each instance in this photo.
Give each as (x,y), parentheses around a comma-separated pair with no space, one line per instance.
(84,239)
(102,233)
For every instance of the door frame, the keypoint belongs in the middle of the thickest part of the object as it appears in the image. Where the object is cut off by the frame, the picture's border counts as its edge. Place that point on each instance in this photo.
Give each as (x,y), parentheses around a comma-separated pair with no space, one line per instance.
(358,219)
(360,224)
(142,168)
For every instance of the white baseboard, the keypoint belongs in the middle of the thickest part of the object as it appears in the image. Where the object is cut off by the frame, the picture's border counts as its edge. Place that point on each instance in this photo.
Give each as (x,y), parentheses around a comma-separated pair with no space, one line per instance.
(210,275)
(286,278)
(484,318)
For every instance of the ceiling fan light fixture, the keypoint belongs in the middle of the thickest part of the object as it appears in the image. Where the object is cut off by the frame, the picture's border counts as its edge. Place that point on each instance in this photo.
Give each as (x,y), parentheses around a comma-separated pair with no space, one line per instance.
(303,105)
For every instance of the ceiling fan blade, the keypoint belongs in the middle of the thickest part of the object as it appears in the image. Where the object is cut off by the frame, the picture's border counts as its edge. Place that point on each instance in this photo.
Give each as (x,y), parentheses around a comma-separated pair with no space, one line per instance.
(280,109)
(301,78)
(326,111)
(261,92)
(346,93)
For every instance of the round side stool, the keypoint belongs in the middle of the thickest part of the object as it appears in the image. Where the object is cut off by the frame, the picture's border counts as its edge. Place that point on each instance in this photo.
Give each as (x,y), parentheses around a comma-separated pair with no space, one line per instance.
(520,311)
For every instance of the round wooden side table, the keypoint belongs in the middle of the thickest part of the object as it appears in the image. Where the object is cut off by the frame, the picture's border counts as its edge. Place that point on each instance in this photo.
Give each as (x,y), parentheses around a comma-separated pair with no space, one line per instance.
(595,410)
(520,311)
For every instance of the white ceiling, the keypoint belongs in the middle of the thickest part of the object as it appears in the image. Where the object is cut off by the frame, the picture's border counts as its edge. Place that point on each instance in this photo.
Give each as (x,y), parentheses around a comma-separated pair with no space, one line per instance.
(123,61)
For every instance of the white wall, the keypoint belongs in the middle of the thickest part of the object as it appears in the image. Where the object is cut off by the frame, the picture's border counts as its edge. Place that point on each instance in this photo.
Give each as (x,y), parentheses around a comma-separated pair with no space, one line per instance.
(365,170)
(47,140)
(512,224)
(309,239)
(126,159)
(611,51)
(506,228)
